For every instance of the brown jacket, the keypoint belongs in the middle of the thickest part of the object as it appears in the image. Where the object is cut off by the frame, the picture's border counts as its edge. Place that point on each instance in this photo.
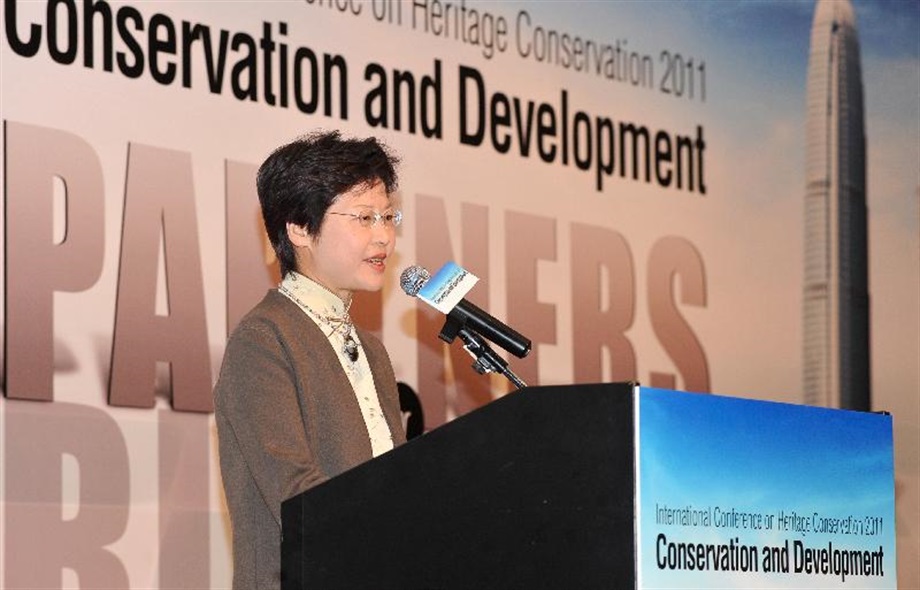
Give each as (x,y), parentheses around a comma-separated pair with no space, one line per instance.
(287,420)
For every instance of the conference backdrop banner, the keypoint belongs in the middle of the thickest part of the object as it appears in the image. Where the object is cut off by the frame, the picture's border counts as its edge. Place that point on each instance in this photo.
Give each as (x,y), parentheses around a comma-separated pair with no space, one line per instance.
(626,179)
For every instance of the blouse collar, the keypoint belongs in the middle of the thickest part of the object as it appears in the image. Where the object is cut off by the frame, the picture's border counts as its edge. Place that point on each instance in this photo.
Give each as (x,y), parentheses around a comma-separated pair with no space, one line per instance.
(317,297)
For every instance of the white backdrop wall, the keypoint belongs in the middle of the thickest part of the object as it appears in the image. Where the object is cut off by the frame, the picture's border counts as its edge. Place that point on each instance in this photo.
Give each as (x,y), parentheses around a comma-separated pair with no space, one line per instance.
(132,239)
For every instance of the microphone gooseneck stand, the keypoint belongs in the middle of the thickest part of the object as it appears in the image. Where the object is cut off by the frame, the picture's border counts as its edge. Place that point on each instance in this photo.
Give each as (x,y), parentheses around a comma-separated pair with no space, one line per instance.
(485,359)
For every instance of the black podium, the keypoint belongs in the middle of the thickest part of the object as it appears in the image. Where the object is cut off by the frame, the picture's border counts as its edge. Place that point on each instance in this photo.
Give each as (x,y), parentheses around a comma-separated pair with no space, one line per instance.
(534,490)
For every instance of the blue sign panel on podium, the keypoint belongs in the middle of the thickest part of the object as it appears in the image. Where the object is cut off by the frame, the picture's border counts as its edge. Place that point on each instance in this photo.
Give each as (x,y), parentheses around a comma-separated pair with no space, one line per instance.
(738,493)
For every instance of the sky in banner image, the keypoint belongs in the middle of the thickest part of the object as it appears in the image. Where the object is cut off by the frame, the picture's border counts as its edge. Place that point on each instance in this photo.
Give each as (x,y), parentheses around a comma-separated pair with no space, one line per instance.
(681,268)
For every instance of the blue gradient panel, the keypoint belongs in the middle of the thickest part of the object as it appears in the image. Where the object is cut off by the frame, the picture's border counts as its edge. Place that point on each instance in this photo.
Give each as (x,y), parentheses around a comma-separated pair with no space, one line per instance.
(447,287)
(737,493)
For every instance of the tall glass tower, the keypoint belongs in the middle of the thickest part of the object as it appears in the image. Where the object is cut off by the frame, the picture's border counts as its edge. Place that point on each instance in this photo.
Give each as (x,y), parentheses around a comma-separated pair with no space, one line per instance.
(836,292)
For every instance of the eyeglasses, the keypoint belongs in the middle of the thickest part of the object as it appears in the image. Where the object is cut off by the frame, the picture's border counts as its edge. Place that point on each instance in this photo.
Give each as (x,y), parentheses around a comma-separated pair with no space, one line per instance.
(371,218)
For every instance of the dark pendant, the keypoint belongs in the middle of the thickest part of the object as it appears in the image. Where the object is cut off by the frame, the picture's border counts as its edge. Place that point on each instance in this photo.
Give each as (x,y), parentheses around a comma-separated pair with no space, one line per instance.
(351,348)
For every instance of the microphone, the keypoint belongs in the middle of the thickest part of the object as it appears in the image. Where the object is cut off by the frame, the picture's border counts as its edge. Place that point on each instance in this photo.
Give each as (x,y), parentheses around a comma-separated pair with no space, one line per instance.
(415,277)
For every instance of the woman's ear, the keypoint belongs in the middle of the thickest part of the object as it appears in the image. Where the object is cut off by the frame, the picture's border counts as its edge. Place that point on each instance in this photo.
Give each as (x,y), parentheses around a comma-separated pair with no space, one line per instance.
(298,235)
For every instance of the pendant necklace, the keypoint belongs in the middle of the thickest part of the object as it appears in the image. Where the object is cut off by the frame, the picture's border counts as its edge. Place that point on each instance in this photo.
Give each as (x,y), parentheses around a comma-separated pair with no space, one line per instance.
(343,323)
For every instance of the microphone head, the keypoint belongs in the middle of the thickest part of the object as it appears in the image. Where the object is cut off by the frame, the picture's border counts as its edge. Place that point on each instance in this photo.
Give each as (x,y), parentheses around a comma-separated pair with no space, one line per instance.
(413,279)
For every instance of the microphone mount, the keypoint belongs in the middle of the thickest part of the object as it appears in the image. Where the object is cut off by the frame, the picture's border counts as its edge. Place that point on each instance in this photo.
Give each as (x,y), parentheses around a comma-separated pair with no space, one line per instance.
(485,359)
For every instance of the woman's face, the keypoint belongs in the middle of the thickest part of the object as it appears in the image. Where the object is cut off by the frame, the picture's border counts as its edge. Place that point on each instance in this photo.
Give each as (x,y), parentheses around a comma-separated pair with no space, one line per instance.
(345,256)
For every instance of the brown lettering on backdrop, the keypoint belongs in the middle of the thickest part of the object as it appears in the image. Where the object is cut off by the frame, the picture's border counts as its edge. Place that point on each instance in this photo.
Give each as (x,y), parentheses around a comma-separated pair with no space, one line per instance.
(36,266)
(249,274)
(602,264)
(39,542)
(160,217)
(184,456)
(674,259)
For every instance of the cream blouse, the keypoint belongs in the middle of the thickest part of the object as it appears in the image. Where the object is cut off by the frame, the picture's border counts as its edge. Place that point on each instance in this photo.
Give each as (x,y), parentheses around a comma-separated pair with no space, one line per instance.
(330,313)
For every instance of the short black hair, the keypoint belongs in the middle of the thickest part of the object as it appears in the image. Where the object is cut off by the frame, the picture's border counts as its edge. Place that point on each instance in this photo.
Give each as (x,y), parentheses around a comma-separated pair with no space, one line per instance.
(299,181)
